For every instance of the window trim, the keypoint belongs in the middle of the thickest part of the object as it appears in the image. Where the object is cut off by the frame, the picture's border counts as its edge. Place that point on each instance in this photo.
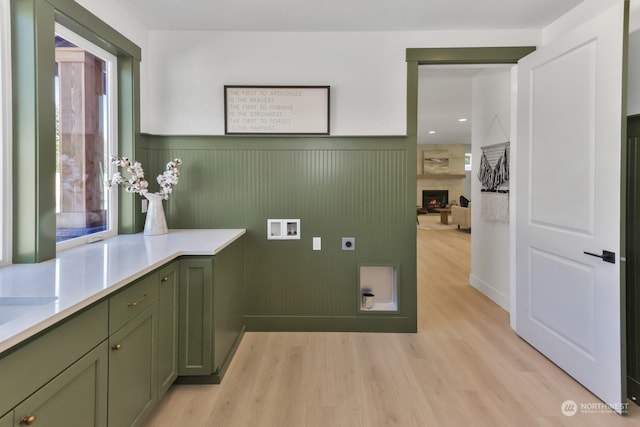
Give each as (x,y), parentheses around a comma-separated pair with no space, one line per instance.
(112,134)
(33,203)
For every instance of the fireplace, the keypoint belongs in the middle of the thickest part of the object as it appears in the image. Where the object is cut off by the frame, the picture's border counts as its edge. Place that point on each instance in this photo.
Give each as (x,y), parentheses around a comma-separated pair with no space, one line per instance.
(433,199)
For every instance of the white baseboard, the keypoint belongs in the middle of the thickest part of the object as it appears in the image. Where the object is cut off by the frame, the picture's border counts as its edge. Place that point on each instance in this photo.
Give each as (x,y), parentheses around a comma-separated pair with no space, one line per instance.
(492,293)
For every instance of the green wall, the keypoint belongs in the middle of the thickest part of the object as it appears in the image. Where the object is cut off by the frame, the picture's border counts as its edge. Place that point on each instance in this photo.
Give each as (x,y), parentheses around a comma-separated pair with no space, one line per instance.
(362,187)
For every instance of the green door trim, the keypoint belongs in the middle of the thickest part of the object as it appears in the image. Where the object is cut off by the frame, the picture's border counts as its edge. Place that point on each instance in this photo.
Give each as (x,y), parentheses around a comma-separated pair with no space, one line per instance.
(454,55)
(442,56)
(468,55)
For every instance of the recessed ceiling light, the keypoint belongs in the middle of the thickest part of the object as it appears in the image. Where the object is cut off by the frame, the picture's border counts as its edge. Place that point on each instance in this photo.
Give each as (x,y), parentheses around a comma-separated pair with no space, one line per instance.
(432,132)
(462,119)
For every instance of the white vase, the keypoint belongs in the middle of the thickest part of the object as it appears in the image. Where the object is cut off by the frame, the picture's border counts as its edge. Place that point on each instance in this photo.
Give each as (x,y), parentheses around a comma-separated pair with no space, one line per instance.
(156,223)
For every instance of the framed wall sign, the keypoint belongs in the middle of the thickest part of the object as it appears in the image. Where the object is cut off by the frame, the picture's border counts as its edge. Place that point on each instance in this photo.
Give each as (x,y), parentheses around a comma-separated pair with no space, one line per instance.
(276,110)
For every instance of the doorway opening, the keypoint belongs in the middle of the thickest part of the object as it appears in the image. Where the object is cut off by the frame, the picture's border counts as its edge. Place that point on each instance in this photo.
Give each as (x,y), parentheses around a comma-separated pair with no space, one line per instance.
(449,57)
(461,109)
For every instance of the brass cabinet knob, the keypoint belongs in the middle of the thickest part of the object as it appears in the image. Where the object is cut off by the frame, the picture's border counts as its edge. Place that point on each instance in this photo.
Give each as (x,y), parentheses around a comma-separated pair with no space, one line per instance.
(27,420)
(164,279)
(116,347)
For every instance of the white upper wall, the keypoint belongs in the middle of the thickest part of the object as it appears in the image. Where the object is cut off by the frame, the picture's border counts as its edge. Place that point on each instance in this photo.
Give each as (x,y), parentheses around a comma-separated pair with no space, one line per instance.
(114,15)
(633,76)
(633,72)
(186,73)
(579,14)
(183,73)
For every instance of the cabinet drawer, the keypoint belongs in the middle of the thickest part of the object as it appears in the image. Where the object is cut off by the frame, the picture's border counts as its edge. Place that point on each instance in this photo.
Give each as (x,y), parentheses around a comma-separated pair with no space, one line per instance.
(132,301)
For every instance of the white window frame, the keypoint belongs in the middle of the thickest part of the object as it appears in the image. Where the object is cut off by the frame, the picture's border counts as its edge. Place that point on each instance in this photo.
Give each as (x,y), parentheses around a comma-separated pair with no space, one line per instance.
(6,231)
(112,135)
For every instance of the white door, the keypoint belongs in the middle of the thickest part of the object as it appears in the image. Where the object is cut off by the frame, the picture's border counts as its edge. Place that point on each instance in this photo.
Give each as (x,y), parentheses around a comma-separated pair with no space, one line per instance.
(568,303)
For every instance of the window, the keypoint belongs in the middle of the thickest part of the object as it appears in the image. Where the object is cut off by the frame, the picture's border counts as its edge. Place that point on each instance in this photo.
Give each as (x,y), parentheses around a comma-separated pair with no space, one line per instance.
(5,134)
(85,91)
(467,161)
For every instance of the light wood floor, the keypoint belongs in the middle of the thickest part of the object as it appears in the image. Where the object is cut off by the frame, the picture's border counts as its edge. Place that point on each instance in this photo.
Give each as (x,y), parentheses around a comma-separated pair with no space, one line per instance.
(464,367)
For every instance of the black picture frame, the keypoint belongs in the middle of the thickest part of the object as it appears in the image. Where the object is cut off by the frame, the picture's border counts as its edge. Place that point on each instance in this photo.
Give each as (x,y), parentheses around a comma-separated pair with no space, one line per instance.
(276,110)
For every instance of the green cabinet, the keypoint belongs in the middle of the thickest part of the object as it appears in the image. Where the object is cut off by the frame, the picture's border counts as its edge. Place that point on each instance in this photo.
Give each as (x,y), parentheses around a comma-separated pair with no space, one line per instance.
(109,364)
(228,304)
(74,398)
(631,268)
(211,313)
(133,388)
(7,420)
(49,363)
(168,326)
(132,380)
(196,338)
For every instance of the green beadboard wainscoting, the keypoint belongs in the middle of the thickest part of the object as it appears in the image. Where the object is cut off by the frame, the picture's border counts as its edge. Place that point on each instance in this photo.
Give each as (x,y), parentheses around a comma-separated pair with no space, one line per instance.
(362,187)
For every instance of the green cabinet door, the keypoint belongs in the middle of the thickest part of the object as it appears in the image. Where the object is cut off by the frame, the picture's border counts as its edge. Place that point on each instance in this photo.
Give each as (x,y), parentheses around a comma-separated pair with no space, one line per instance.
(168,326)
(228,304)
(196,336)
(7,420)
(212,310)
(132,370)
(77,397)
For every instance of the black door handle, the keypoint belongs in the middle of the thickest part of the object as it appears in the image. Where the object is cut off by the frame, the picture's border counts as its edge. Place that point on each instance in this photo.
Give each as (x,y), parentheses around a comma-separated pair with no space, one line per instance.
(606,256)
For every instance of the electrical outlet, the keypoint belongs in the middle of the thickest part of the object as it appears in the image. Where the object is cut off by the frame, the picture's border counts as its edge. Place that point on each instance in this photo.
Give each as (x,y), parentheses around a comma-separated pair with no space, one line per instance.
(317,243)
(144,205)
(348,243)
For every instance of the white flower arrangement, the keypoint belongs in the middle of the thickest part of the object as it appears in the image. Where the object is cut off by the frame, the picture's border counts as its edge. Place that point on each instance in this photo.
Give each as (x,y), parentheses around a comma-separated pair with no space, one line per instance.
(136,182)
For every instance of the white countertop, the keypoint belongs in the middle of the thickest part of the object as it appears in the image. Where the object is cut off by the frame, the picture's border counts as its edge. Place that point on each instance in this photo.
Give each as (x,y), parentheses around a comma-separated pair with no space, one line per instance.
(78,277)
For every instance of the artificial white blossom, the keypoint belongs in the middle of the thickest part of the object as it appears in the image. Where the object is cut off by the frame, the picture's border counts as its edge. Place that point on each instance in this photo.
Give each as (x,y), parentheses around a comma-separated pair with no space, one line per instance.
(136,182)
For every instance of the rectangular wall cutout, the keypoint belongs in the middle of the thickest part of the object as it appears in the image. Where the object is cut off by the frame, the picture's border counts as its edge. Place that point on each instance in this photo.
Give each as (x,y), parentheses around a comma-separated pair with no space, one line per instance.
(378,287)
(283,229)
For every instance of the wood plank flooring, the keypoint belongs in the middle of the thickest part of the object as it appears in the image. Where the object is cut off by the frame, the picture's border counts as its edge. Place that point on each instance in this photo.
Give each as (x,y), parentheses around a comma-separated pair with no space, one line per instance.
(464,367)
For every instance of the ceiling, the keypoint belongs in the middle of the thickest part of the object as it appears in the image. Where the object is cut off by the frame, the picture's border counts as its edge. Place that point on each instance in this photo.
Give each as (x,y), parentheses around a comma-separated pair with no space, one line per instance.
(345,15)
